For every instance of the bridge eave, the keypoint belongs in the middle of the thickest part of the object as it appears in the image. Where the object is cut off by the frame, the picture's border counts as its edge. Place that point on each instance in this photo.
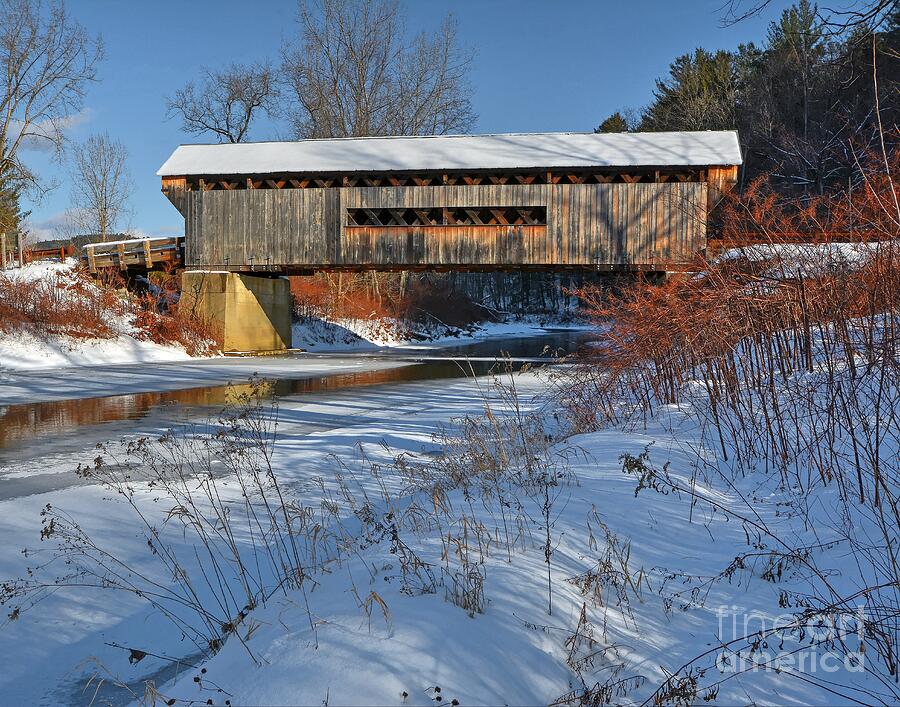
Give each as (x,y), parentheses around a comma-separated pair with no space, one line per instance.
(175,190)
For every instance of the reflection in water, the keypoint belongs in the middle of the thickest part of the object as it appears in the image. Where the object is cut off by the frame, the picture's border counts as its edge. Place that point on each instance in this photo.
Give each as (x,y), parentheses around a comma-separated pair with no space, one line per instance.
(20,423)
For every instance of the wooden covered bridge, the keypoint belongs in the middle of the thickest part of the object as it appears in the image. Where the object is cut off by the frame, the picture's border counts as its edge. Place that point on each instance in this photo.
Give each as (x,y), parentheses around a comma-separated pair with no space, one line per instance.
(553,201)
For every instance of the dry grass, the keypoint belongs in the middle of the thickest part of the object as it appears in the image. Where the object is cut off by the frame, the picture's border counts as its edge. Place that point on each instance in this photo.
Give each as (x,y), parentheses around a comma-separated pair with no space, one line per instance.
(743,323)
(72,304)
(785,370)
(58,306)
(192,332)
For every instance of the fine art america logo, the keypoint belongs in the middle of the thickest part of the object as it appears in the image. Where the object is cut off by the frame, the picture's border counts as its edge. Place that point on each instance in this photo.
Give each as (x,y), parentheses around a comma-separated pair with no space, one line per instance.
(814,643)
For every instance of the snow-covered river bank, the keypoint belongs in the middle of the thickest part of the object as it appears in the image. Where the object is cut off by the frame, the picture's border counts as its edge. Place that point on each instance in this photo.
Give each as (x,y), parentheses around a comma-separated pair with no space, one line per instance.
(642,583)
(329,404)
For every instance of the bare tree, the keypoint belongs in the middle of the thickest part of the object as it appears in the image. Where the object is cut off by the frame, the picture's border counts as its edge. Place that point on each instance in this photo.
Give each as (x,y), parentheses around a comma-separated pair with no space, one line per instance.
(101,185)
(353,72)
(855,14)
(226,102)
(46,61)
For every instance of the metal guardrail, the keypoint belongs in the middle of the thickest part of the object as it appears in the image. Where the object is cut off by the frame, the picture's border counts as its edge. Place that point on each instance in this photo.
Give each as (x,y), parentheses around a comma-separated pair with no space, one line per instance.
(135,253)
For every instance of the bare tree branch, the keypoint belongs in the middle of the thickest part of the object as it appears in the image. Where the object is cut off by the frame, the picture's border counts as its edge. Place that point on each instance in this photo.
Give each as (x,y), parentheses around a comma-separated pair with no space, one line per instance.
(353,73)
(47,60)
(868,14)
(101,185)
(226,102)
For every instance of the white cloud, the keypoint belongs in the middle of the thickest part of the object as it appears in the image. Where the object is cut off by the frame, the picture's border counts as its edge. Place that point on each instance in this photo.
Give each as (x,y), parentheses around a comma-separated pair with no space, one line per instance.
(159,232)
(40,135)
(48,228)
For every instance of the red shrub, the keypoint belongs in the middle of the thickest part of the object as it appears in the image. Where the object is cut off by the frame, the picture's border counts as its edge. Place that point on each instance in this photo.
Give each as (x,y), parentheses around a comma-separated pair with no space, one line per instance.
(69,303)
(410,298)
(57,305)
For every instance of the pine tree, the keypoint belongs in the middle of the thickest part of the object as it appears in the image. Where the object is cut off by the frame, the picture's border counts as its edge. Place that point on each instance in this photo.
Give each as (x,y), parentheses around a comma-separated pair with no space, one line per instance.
(11,215)
(699,94)
(616,123)
(802,102)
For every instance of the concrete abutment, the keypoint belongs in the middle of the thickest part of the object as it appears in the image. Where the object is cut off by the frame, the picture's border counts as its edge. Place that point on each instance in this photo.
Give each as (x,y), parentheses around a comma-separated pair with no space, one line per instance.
(248,313)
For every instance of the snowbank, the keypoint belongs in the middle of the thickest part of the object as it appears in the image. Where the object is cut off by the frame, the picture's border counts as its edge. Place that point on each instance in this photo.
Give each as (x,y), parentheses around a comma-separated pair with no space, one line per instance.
(642,582)
(788,260)
(25,349)
(369,335)
(633,595)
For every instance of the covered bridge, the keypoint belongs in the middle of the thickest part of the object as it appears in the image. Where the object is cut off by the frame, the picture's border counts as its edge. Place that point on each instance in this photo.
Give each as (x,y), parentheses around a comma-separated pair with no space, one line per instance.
(554,201)
(620,201)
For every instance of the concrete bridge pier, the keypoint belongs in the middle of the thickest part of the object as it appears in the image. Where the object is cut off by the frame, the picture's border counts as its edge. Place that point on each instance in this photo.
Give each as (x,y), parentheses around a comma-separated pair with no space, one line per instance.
(248,313)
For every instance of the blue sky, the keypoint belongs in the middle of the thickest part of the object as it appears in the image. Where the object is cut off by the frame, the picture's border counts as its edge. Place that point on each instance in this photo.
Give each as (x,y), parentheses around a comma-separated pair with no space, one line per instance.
(539,66)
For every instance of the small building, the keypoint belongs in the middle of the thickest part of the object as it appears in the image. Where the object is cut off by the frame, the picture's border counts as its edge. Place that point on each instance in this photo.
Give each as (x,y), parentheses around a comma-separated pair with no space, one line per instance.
(613,202)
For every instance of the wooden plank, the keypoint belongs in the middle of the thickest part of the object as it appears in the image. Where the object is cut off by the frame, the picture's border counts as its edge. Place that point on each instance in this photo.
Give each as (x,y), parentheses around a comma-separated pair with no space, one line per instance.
(640,223)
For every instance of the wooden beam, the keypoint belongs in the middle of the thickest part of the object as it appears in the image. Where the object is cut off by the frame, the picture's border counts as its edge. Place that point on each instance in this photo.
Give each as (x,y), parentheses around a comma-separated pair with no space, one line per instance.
(500,216)
(397,215)
(423,217)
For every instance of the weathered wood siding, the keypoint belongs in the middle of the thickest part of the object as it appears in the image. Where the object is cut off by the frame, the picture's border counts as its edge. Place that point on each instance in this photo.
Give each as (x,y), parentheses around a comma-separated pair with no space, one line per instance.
(608,225)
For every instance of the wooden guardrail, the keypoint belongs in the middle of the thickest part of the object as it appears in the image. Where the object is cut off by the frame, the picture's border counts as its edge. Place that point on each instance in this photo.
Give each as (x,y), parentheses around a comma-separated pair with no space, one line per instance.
(60,253)
(134,253)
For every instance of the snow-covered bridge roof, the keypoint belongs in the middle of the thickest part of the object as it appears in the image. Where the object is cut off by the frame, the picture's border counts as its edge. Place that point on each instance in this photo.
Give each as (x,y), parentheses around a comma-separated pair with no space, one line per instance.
(459,152)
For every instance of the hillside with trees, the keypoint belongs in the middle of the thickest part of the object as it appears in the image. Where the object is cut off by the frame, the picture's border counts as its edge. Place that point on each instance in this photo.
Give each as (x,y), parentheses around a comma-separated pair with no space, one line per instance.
(803,100)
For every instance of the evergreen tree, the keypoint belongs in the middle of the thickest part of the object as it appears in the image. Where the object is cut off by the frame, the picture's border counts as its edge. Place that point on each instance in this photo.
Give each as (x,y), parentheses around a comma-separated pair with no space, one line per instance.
(11,215)
(803,103)
(699,94)
(616,123)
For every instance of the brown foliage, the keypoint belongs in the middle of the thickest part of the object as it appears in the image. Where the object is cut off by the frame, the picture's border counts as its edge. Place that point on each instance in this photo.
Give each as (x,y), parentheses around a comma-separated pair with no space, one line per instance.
(785,360)
(49,306)
(72,305)
(407,299)
(191,331)
(743,322)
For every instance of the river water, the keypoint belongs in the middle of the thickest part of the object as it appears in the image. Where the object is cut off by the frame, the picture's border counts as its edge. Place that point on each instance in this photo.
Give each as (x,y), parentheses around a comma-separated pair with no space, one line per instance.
(35,437)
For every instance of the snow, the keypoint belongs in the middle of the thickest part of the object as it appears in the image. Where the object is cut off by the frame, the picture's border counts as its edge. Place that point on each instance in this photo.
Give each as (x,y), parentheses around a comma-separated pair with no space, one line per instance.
(498,151)
(667,585)
(808,259)
(321,335)
(22,349)
(43,654)
(513,653)
(26,351)
(39,270)
(131,241)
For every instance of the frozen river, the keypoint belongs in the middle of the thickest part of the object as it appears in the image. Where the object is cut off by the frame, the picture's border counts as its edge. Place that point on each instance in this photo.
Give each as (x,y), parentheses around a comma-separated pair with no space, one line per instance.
(49,418)
(329,406)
